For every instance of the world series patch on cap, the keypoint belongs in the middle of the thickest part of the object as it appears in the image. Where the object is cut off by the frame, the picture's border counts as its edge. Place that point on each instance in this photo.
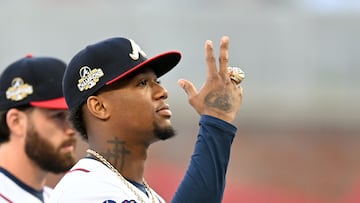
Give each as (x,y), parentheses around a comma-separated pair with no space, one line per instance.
(34,81)
(106,62)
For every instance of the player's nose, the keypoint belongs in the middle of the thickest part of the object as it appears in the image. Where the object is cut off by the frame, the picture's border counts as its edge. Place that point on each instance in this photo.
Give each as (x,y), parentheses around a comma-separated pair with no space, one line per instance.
(160,92)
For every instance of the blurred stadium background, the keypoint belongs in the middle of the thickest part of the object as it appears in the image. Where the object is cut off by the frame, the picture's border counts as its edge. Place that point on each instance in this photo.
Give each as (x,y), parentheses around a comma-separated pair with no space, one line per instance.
(298,139)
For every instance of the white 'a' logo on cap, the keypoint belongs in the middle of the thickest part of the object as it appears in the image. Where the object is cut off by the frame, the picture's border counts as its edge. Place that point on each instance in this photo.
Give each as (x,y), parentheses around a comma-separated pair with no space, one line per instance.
(136,51)
(18,90)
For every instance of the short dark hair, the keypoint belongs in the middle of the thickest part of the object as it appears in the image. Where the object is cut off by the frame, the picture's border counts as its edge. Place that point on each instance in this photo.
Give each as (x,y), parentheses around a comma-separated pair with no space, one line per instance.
(4,129)
(76,117)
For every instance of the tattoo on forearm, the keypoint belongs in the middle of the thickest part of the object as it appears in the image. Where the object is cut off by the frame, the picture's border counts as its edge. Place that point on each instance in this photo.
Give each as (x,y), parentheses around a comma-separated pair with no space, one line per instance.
(219,100)
(118,152)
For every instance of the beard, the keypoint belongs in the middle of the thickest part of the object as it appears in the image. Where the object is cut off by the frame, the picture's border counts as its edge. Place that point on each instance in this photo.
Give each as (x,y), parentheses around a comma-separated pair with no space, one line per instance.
(163,133)
(45,155)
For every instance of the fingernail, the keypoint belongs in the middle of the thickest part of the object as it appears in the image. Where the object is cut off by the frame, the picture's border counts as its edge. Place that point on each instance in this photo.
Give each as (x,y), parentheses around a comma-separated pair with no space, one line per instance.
(181,83)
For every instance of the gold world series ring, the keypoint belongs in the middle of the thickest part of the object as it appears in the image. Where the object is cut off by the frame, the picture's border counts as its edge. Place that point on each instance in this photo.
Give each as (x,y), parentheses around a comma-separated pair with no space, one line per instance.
(236,74)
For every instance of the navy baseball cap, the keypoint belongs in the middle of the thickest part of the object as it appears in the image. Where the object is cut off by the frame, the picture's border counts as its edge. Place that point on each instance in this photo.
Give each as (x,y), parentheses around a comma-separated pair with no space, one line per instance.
(106,62)
(34,81)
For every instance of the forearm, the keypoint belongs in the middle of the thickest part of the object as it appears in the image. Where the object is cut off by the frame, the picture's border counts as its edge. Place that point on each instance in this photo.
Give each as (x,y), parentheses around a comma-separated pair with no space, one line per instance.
(205,178)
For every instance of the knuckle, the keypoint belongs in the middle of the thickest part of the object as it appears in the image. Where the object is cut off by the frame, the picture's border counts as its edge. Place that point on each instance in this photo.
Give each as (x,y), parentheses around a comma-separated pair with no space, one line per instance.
(223,59)
(210,58)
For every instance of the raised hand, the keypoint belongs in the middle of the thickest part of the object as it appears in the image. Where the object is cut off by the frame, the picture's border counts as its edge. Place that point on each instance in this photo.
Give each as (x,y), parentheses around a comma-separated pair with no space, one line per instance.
(220,96)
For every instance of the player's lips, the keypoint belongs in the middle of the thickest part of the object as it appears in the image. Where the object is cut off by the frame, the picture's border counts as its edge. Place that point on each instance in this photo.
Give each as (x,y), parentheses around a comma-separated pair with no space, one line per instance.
(164,110)
(68,146)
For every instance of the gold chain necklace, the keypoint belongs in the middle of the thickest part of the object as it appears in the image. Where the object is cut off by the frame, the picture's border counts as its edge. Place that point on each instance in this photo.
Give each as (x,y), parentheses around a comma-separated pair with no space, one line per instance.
(126,182)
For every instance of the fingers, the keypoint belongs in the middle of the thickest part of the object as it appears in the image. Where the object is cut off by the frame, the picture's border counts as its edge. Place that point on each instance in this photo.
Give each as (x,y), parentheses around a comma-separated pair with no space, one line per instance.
(224,56)
(188,87)
(210,59)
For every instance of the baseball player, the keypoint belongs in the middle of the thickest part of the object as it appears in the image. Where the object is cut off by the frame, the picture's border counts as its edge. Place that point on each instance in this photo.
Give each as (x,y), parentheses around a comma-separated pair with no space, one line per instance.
(119,106)
(35,135)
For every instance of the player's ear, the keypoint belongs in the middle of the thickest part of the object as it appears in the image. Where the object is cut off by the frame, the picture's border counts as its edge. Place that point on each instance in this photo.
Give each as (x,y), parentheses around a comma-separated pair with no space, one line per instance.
(16,121)
(97,108)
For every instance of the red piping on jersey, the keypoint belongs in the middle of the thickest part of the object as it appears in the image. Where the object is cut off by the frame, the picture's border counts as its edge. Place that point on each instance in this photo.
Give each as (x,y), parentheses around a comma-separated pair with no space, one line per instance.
(79,169)
(5,198)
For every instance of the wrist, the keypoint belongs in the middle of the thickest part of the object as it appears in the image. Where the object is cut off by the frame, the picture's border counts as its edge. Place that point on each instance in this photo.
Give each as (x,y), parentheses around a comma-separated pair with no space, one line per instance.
(228,117)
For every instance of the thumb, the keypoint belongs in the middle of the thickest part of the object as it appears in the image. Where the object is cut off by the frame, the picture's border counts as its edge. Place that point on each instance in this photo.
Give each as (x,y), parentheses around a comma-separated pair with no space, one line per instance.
(188,87)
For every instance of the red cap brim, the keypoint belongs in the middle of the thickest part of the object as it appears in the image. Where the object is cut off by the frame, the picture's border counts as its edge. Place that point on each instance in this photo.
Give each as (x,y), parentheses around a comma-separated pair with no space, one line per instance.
(58,103)
(160,64)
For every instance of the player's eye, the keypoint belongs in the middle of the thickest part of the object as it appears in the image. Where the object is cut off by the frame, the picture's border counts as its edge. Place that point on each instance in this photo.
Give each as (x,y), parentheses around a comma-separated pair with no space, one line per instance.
(145,82)
(142,82)
(61,116)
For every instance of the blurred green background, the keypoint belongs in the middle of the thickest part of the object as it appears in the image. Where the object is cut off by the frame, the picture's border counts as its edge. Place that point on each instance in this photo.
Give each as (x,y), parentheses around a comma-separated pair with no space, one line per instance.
(298,137)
